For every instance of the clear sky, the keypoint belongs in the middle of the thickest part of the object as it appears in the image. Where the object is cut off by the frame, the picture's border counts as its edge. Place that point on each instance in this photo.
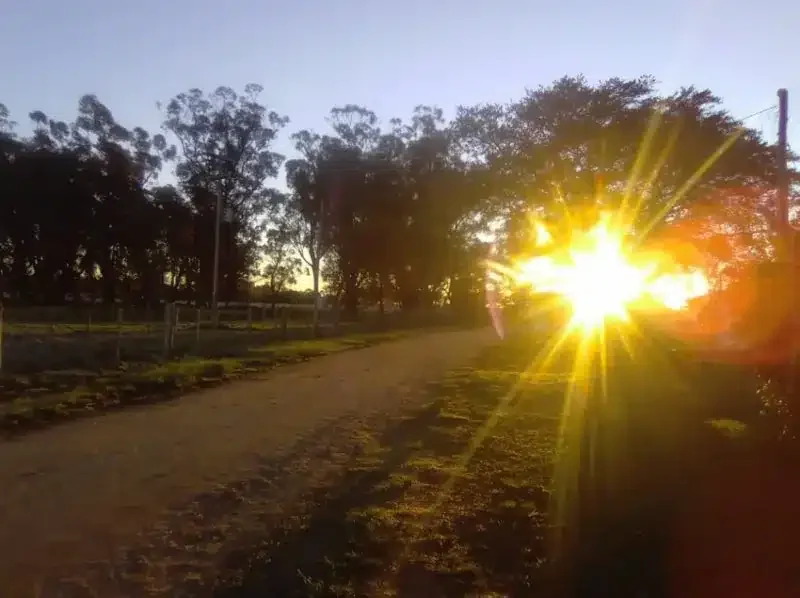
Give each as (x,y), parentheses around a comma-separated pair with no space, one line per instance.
(386,54)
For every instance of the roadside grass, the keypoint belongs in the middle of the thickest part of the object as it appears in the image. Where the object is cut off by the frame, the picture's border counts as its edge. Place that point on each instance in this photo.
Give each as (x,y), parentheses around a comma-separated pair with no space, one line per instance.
(130,328)
(37,400)
(451,500)
(460,498)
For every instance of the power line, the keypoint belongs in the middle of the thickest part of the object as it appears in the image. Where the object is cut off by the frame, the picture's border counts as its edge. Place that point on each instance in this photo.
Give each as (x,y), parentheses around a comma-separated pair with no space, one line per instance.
(749,116)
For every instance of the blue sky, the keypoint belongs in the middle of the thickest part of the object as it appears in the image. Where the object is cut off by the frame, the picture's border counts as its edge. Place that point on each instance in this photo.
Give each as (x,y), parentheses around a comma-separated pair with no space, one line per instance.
(312,54)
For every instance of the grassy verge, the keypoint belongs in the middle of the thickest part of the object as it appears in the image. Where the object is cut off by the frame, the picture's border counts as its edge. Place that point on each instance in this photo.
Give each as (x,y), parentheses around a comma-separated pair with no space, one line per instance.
(132,328)
(33,401)
(449,501)
(458,498)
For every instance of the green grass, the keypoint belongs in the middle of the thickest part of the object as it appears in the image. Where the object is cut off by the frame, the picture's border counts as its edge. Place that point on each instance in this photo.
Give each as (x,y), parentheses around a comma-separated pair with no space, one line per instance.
(438,503)
(460,497)
(126,328)
(36,400)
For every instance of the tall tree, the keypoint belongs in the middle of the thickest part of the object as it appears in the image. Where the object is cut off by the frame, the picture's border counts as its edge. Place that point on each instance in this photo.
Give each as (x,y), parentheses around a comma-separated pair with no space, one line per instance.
(314,201)
(386,213)
(281,262)
(225,159)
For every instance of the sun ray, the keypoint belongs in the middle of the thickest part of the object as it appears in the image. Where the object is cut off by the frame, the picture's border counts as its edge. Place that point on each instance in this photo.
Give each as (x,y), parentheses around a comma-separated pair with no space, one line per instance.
(663,156)
(641,156)
(691,181)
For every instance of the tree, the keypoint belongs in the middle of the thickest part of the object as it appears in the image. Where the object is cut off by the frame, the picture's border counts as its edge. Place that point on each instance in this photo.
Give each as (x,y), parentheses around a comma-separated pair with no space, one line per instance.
(74,195)
(312,203)
(224,162)
(613,144)
(386,213)
(281,264)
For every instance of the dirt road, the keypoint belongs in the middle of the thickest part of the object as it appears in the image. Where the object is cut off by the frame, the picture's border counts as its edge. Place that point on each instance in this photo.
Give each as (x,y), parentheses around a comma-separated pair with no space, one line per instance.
(144,502)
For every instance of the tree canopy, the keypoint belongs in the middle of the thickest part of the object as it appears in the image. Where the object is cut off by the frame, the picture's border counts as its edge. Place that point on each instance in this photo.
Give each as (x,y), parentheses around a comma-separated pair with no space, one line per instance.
(393,212)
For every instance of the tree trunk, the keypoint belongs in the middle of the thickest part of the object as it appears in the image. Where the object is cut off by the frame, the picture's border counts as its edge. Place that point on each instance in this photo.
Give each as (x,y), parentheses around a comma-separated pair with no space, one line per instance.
(350,294)
(315,277)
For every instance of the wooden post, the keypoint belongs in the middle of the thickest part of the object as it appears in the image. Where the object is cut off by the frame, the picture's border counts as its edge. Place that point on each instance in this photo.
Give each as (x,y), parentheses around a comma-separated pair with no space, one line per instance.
(249,318)
(284,323)
(787,235)
(119,336)
(197,329)
(783,172)
(167,328)
(335,314)
(176,312)
(89,322)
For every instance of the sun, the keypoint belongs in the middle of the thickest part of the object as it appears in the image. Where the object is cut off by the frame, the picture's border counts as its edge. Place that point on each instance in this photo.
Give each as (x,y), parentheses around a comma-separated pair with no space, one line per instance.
(601,282)
(600,279)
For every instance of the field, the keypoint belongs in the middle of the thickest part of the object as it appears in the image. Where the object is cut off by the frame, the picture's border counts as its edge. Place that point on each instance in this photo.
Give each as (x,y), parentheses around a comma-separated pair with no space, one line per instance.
(377,475)
(59,363)
(472,496)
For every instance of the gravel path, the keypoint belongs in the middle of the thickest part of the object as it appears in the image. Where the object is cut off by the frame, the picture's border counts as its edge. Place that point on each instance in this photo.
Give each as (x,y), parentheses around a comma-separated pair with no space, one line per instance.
(148,501)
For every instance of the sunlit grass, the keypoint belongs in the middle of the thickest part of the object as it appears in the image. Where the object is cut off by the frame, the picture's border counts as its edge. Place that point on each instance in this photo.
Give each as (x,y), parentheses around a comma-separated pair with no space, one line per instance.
(29,401)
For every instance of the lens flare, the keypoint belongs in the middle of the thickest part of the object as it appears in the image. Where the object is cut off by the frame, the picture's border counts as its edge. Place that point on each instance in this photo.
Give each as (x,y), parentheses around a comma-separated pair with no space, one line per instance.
(600,280)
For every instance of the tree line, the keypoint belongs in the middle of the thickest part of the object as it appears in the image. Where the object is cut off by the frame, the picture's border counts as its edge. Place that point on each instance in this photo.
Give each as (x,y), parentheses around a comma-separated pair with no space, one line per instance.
(381,212)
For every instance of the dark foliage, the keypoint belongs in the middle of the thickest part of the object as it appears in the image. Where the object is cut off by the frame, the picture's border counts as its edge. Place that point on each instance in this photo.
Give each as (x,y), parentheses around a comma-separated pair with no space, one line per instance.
(393,214)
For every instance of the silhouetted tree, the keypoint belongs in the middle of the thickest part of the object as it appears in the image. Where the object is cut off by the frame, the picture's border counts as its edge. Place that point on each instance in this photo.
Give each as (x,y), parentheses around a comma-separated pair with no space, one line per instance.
(281,263)
(392,213)
(225,159)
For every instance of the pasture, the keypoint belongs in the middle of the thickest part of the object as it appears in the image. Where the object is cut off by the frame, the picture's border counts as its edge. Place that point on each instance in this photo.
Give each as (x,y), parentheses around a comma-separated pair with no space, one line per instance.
(59,363)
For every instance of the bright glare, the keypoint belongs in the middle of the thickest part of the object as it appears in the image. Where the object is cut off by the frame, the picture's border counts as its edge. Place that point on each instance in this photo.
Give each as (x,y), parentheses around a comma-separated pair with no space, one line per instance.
(599,279)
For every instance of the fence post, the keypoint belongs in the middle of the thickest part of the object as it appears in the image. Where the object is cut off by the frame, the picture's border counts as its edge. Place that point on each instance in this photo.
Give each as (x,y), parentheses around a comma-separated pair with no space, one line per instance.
(249,318)
(89,322)
(197,329)
(176,313)
(284,323)
(167,327)
(335,314)
(119,336)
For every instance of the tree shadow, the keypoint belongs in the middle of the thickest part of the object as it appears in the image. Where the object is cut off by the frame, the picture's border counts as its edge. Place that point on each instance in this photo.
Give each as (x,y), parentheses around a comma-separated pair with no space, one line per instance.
(652,449)
(332,550)
(418,539)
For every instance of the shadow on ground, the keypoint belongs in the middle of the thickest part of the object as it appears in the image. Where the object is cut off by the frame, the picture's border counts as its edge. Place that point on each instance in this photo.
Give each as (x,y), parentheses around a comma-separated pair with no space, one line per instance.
(459,498)
(426,509)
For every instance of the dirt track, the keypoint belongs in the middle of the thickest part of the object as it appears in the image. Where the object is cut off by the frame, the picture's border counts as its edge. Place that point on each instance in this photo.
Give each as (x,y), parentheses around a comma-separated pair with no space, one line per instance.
(148,500)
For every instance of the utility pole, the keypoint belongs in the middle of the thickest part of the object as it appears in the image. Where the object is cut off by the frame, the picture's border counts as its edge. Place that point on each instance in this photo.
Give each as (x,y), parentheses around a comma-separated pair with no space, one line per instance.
(787,235)
(783,173)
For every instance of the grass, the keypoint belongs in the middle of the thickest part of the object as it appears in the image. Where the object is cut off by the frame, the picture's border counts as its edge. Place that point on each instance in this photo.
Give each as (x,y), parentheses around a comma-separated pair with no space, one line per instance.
(459,498)
(37,400)
(127,328)
(427,508)
(30,347)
